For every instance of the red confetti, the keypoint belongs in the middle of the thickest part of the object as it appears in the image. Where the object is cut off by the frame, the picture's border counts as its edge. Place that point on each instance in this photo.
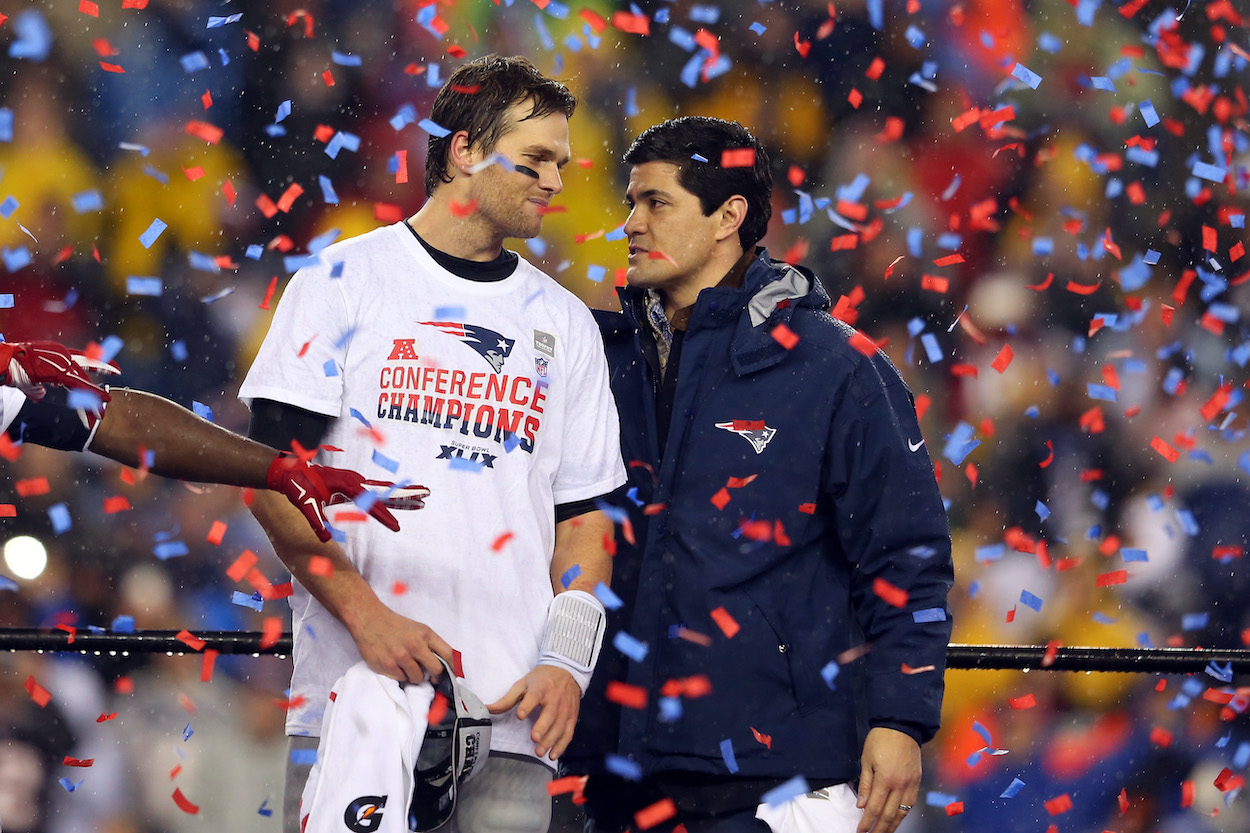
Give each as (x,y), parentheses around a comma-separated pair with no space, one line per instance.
(660,811)
(1026,701)
(721,498)
(725,621)
(499,542)
(190,640)
(8,510)
(76,762)
(1187,793)
(463,209)
(216,533)
(1003,359)
(289,196)
(784,336)
(888,593)
(1059,804)
(634,24)
(134,4)
(71,630)
(183,804)
(862,344)
(116,504)
(843,242)
(319,565)
(624,694)
(207,664)
(954,808)
(89,8)
(948,260)
(273,286)
(103,717)
(1112,578)
(1165,451)
(203,130)
(242,565)
(270,632)
(737,157)
(38,693)
(1160,737)
(767,740)
(33,486)
(111,67)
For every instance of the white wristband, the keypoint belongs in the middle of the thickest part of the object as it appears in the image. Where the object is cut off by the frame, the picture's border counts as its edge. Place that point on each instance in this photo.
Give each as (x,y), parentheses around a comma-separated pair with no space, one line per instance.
(576,621)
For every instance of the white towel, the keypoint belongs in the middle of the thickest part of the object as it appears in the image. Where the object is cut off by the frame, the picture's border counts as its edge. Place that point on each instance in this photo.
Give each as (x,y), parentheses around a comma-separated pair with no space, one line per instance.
(370,738)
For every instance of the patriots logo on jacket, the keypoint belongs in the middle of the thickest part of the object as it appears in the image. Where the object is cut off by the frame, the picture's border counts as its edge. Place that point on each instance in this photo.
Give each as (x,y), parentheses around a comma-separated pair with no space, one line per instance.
(753,431)
(489,344)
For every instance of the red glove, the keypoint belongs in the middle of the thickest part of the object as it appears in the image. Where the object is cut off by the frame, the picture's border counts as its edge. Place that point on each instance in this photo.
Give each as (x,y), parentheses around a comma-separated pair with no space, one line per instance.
(30,365)
(312,488)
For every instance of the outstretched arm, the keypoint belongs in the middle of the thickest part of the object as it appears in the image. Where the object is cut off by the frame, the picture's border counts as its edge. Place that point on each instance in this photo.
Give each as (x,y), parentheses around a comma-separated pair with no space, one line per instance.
(188,447)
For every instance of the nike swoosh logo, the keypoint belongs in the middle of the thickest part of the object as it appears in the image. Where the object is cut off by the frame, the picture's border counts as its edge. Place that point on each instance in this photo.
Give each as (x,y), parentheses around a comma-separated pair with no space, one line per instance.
(911,446)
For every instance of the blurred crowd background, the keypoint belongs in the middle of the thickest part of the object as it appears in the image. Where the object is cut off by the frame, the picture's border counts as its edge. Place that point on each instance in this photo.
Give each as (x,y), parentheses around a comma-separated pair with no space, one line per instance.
(1037,208)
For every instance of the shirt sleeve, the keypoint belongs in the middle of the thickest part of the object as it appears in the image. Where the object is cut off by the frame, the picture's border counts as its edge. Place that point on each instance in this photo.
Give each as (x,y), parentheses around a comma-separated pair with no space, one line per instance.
(892,525)
(301,360)
(590,459)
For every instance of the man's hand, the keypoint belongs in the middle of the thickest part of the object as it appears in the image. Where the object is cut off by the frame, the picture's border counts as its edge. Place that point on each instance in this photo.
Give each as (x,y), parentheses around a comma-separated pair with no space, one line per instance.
(396,646)
(312,488)
(30,365)
(889,779)
(553,690)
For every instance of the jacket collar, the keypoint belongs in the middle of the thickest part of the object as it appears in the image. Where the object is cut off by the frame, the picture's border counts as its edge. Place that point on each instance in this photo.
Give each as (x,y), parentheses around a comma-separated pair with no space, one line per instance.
(769,294)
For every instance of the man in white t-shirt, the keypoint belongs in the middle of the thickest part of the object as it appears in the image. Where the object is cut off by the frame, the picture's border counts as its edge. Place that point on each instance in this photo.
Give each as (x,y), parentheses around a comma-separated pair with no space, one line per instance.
(47,398)
(426,350)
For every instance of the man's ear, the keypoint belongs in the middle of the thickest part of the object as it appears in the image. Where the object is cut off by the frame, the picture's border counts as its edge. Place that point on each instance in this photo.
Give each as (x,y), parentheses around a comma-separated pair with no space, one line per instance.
(460,154)
(732,213)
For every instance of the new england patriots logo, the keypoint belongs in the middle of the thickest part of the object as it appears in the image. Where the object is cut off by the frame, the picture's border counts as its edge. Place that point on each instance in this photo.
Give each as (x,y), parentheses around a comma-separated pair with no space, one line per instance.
(489,344)
(753,431)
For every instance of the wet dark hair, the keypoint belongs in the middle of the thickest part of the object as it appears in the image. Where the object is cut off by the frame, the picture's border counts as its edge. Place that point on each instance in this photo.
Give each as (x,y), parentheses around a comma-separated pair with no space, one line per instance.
(677,141)
(476,98)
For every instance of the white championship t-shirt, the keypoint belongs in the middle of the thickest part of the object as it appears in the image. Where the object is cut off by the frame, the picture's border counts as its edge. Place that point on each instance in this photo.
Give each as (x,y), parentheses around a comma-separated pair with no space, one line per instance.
(495,396)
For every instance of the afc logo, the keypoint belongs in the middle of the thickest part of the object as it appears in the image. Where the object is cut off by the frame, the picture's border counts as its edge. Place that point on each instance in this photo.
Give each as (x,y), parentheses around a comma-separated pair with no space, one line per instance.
(364,815)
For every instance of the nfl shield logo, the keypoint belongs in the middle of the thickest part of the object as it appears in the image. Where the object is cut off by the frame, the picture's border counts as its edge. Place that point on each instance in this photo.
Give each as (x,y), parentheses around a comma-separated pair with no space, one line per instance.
(540,364)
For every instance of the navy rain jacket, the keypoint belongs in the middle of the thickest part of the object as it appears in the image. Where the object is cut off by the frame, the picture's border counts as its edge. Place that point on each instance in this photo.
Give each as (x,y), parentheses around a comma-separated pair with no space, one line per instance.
(797,505)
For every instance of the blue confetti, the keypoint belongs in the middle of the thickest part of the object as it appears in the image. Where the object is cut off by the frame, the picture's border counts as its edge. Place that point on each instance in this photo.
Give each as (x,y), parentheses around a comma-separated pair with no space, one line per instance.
(788,791)
(929,614)
(630,646)
(1130,554)
(84,400)
(201,410)
(1014,787)
(1026,75)
(624,767)
(937,799)
(6,124)
(345,60)
(265,809)
(34,36)
(1042,511)
(596,273)
(69,785)
(58,514)
(170,549)
(1148,113)
(217,21)
(1029,600)
(247,600)
(15,259)
(670,709)
(1211,173)
(570,575)
(758,28)
(328,194)
(1100,82)
(431,127)
(150,287)
(830,673)
(1194,621)
(990,552)
(153,232)
(123,624)
(609,599)
(9,205)
(284,110)
(6,301)
(304,757)
(727,755)
(194,61)
(385,462)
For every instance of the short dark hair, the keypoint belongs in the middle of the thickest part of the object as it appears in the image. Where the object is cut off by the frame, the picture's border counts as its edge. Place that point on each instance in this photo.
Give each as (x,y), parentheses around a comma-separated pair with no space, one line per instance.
(678,140)
(476,98)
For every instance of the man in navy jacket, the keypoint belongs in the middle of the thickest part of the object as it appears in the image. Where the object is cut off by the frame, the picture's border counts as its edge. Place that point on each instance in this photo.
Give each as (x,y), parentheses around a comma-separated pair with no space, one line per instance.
(785,586)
